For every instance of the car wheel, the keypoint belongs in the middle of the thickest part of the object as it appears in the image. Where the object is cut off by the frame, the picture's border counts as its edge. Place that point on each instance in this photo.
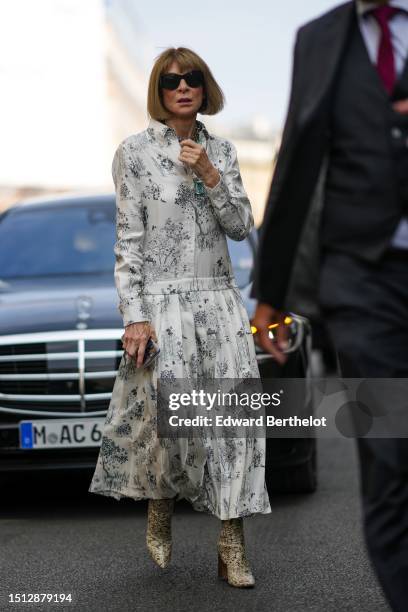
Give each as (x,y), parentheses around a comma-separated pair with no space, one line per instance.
(298,478)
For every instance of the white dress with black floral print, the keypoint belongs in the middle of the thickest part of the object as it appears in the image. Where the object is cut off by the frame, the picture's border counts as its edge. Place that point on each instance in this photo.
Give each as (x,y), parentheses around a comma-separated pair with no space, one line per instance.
(173,269)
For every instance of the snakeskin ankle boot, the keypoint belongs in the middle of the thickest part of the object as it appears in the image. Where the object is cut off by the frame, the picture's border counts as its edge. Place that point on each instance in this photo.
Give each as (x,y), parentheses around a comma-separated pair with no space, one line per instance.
(233,565)
(158,534)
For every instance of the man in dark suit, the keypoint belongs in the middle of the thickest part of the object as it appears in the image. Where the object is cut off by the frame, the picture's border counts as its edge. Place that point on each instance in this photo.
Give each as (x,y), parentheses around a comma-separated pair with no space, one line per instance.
(334,239)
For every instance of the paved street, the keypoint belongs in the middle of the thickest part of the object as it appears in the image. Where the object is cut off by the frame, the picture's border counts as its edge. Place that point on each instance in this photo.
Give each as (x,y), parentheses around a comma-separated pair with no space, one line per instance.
(306,556)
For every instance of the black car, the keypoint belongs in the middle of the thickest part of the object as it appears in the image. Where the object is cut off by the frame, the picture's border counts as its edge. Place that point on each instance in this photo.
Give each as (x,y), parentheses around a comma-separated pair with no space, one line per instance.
(60,339)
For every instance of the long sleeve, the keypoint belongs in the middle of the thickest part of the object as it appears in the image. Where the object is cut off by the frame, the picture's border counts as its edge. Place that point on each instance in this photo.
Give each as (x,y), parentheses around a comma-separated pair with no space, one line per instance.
(130,231)
(229,200)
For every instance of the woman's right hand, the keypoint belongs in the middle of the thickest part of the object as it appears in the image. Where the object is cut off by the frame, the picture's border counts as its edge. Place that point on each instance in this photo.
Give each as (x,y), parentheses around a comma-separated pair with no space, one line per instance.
(135,338)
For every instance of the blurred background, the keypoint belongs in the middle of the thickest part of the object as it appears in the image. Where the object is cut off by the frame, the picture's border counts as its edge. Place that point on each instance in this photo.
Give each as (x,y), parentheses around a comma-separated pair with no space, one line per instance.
(74,73)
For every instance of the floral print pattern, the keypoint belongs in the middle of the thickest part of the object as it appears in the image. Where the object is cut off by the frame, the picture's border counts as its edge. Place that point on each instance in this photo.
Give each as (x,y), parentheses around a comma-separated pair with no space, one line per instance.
(172,268)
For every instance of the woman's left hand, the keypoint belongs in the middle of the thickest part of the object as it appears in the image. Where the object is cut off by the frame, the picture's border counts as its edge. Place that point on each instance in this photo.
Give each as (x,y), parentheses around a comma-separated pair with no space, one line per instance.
(195,156)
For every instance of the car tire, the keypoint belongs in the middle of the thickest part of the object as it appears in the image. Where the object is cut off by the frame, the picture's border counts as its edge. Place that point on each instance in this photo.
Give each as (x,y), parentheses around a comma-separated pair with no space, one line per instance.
(298,478)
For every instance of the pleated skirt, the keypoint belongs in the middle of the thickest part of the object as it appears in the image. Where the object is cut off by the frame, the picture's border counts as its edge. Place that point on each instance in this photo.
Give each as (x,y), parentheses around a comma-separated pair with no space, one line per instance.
(203,332)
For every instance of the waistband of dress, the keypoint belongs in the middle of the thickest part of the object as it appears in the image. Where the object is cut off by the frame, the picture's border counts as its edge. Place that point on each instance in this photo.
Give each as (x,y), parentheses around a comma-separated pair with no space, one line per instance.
(182,285)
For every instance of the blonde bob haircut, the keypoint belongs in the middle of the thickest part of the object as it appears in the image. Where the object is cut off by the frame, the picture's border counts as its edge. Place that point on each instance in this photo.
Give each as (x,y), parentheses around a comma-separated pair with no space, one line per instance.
(213,96)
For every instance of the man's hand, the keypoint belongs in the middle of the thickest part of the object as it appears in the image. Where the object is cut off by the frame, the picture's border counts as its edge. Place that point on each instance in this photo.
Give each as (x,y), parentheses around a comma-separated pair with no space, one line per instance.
(195,156)
(401,106)
(135,338)
(266,315)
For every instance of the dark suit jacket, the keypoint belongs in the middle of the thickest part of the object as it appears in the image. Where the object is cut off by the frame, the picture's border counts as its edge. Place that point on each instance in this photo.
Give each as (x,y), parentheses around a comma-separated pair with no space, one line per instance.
(286,271)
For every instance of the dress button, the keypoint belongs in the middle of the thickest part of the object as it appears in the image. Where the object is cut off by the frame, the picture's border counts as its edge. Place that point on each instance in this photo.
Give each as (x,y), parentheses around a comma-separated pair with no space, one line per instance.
(396,132)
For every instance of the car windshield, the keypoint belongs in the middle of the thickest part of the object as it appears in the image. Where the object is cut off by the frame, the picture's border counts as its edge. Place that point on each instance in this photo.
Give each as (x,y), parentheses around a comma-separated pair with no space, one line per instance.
(57,240)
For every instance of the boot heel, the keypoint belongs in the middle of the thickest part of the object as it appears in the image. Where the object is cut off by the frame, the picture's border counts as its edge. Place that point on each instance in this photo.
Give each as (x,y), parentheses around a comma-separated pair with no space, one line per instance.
(222,569)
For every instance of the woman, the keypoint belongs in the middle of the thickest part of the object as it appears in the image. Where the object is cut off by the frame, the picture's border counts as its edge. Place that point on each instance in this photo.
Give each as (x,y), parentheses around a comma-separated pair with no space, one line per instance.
(178,194)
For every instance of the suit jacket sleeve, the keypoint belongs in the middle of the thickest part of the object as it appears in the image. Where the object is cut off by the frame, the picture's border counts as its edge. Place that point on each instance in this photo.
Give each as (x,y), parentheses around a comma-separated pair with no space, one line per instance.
(290,194)
(128,248)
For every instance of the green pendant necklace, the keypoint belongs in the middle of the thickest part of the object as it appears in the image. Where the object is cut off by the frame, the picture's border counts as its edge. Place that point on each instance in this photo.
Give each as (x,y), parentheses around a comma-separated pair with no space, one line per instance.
(198,186)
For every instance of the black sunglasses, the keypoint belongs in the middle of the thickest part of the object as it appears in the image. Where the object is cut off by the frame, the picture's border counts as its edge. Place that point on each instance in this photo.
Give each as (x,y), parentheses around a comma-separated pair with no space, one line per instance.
(171,80)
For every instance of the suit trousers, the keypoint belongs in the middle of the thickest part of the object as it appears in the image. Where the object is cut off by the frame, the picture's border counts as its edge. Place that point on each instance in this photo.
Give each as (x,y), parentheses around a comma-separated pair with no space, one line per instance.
(365,309)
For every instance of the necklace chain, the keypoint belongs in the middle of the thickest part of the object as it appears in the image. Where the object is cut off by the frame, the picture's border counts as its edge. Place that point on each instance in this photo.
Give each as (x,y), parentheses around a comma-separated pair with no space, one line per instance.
(194,135)
(199,189)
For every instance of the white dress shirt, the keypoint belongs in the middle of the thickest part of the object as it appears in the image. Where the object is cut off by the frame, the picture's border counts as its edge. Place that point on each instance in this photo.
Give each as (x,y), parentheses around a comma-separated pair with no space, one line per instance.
(399,36)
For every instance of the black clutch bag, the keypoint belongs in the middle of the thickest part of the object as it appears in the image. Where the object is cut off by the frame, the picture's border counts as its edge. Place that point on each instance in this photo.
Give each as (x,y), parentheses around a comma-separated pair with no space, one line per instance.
(151,352)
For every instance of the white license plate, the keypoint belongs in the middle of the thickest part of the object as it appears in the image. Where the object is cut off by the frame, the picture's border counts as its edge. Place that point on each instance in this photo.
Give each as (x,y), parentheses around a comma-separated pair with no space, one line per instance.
(61,433)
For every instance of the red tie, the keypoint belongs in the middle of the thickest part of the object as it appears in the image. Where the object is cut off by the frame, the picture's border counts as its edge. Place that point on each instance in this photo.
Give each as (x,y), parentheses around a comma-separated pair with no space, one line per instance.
(385,60)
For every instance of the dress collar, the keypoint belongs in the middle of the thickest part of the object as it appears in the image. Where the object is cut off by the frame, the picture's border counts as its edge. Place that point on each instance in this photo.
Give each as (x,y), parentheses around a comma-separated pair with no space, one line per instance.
(163,132)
